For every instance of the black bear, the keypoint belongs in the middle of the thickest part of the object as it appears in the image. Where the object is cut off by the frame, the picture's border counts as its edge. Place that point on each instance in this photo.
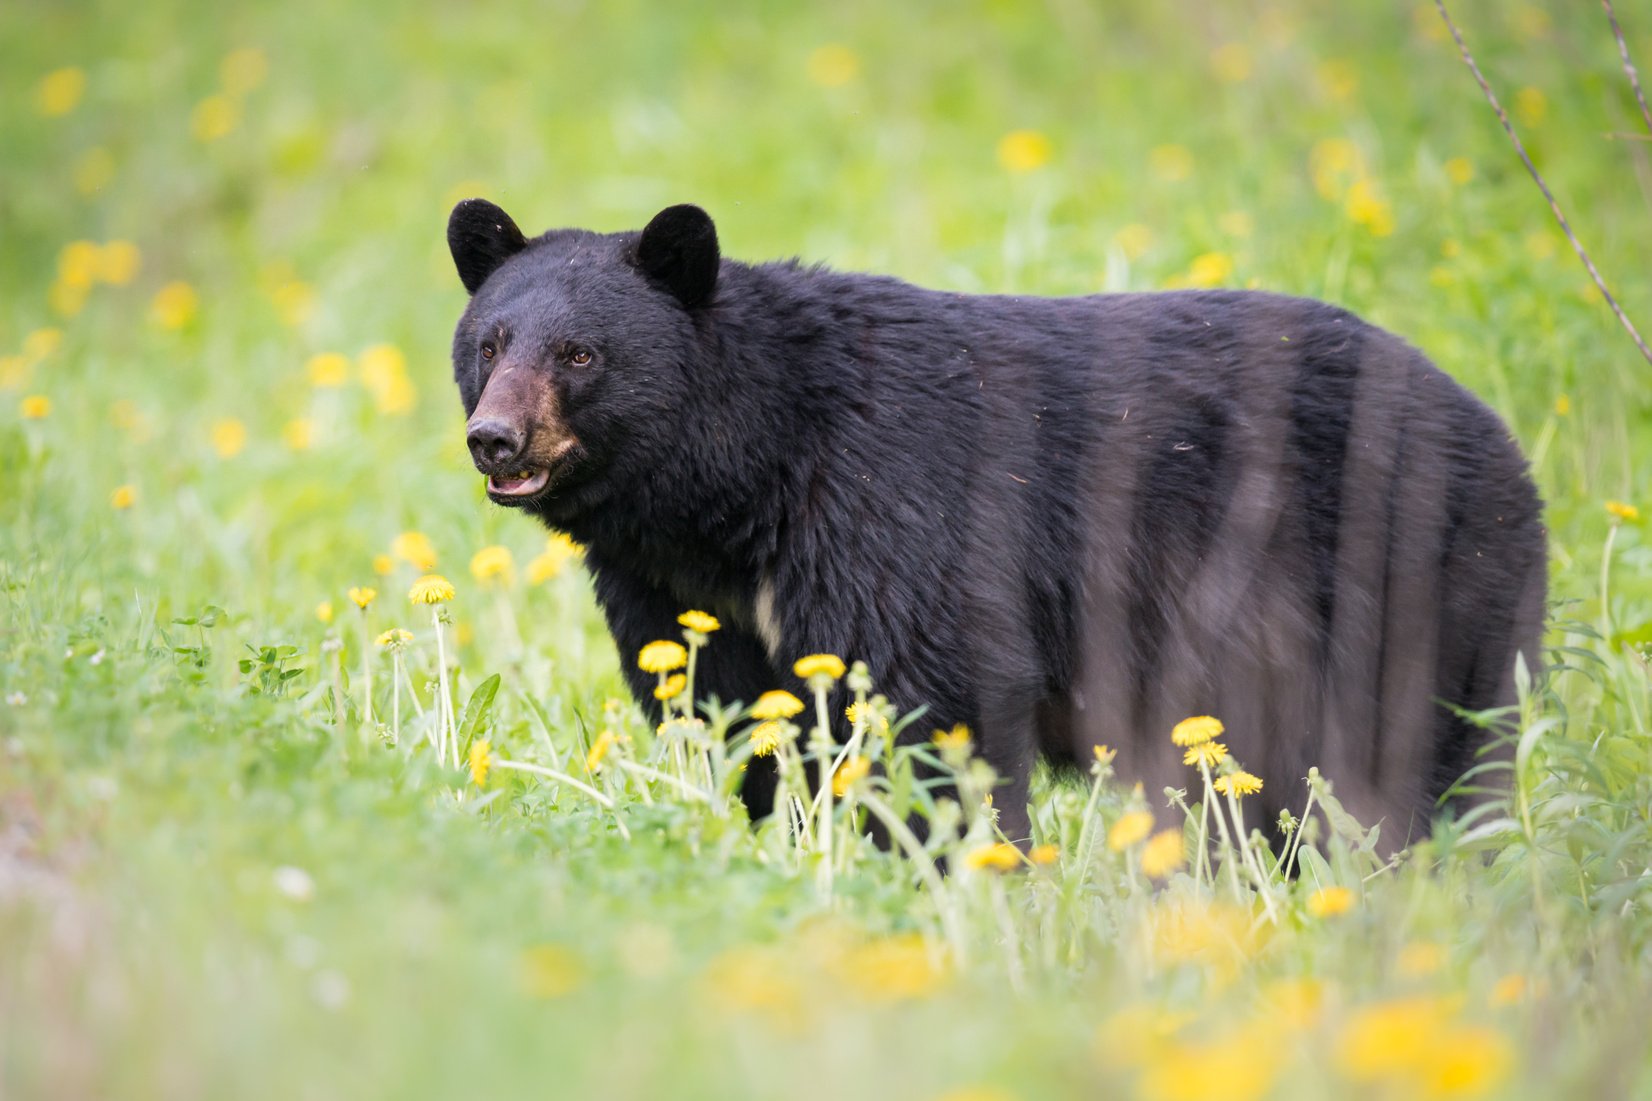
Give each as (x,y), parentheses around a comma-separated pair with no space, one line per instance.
(1062,522)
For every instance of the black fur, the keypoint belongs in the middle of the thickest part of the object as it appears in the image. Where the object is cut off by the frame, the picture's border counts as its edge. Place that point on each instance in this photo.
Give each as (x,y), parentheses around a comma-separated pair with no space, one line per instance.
(1064,522)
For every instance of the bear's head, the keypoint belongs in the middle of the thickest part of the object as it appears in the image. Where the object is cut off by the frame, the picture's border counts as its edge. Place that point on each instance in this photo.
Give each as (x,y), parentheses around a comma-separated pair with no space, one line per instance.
(574,345)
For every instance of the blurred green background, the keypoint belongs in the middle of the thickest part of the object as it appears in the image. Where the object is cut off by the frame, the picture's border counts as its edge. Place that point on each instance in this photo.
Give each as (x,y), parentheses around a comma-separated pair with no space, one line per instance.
(225,305)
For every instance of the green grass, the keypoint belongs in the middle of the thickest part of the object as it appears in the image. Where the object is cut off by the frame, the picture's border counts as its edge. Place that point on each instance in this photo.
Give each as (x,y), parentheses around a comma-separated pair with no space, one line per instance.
(443,939)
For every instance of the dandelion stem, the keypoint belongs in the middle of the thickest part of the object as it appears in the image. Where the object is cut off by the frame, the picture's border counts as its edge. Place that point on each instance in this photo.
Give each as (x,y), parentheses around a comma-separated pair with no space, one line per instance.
(1605,582)
(1006,926)
(563,778)
(450,735)
(924,866)
(1222,826)
(396,696)
(821,743)
(666,778)
(1086,835)
(1296,838)
(366,678)
(1253,863)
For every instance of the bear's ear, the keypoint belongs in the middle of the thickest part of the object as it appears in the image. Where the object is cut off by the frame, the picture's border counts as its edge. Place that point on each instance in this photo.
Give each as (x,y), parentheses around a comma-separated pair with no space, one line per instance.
(481,237)
(678,250)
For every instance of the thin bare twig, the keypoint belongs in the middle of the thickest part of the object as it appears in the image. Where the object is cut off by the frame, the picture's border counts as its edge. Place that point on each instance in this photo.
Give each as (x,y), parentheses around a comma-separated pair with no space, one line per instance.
(1628,66)
(1520,148)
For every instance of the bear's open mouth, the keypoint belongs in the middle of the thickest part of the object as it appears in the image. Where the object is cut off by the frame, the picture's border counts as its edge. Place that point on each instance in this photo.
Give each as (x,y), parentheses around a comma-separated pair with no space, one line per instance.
(521,484)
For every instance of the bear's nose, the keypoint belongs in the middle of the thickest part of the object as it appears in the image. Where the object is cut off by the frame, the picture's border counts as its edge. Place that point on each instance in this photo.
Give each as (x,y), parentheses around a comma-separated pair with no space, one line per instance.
(493,443)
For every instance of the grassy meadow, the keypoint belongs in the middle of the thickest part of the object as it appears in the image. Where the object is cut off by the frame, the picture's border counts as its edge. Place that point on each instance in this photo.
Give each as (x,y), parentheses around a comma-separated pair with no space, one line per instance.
(226,413)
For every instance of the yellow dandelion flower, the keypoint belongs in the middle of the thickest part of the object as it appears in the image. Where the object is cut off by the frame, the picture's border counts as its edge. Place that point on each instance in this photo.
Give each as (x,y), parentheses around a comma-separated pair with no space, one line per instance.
(1562,405)
(1239,783)
(59,91)
(1002,857)
(550,562)
(41,343)
(1237,1064)
(361,596)
(1137,1034)
(778,704)
(395,636)
(93,170)
(383,565)
(123,498)
(1339,78)
(957,739)
(492,564)
(672,688)
(1509,989)
(327,370)
(243,70)
(1330,902)
(766,738)
(1197,730)
(324,611)
(1044,855)
(431,589)
(35,407)
(228,436)
(1236,223)
(1419,960)
(1022,151)
(1392,1038)
(78,263)
(14,372)
(1366,206)
(414,548)
(551,971)
(829,666)
(851,771)
(891,968)
(383,371)
(298,434)
(1531,106)
(294,301)
(1209,269)
(1466,1061)
(64,299)
(118,262)
(1163,854)
(699,622)
(174,305)
(479,760)
(832,65)
(1103,754)
(1133,240)
(1170,163)
(662,657)
(1294,1003)
(1209,754)
(1334,163)
(1231,62)
(599,750)
(1218,937)
(213,118)
(1459,170)
(1620,509)
(1132,827)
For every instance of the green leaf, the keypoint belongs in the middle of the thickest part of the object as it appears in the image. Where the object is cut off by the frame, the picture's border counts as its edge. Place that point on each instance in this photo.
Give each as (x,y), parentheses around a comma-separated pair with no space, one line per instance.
(476,711)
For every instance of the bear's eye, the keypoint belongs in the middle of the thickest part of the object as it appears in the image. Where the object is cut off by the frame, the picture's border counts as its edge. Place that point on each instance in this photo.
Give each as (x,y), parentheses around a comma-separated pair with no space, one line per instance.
(488,349)
(580,358)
